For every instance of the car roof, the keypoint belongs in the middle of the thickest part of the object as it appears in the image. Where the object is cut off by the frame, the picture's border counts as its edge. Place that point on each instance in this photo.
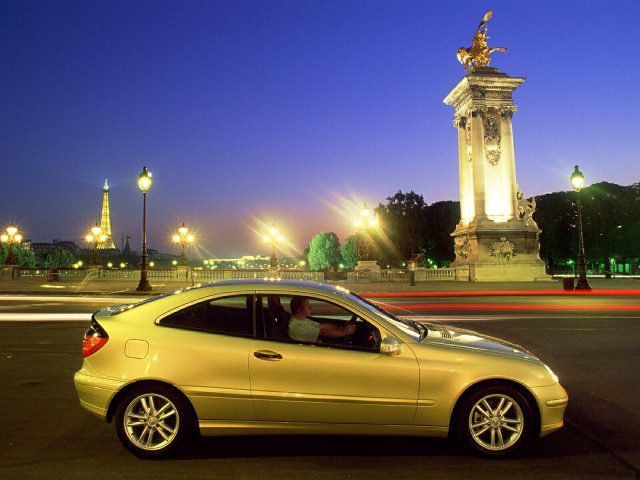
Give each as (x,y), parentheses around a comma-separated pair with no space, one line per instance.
(260,282)
(265,284)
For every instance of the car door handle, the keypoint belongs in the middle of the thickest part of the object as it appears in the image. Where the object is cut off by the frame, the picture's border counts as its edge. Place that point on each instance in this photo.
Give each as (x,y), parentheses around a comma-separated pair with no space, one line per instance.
(267,355)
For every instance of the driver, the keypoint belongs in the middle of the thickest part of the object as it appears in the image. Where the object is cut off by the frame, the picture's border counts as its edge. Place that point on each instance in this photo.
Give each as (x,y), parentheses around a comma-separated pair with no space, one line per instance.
(304,329)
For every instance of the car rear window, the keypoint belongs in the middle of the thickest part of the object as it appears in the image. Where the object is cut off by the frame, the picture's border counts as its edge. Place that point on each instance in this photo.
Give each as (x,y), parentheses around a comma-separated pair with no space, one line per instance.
(228,315)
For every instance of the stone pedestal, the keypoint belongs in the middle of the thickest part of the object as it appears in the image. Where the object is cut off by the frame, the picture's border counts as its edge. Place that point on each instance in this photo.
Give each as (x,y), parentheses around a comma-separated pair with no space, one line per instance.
(182,272)
(372,268)
(496,238)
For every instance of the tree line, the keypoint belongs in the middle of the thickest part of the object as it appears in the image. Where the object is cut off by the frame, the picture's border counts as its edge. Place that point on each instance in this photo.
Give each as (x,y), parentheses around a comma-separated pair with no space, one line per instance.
(409,226)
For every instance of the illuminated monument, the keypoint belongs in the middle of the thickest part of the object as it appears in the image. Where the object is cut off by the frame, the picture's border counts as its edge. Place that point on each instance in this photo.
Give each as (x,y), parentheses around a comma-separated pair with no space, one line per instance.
(105,224)
(496,239)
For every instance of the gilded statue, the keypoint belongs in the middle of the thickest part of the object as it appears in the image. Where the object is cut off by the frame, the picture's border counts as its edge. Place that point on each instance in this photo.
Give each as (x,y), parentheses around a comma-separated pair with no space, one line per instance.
(478,55)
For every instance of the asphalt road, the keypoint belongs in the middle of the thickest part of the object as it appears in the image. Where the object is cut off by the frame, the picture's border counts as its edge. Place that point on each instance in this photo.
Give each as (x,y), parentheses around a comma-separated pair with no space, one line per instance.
(44,433)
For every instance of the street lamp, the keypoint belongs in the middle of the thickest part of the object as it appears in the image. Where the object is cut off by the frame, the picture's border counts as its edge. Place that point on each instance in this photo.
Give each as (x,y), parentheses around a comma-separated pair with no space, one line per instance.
(273,237)
(144,182)
(96,237)
(365,223)
(366,220)
(577,180)
(12,237)
(183,237)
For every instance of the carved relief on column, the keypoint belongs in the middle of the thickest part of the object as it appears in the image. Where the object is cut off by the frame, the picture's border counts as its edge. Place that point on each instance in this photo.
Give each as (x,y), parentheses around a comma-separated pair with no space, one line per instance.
(467,137)
(479,110)
(461,122)
(507,110)
(492,139)
(502,250)
(462,247)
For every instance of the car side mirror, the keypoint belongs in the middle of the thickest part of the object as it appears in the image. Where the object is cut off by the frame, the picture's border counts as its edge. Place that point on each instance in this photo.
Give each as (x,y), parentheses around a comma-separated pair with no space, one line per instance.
(390,346)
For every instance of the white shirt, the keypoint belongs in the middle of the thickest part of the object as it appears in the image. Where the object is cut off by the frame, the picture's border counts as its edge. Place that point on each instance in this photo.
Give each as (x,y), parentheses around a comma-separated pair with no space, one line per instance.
(304,330)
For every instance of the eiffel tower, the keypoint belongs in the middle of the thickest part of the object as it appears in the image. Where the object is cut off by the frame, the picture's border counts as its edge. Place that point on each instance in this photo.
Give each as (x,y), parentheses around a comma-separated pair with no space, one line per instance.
(105,224)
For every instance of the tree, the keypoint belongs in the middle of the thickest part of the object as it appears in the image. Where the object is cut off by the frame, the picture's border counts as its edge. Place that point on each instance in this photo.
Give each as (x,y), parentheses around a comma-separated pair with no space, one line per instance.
(24,256)
(349,252)
(324,250)
(58,258)
(441,221)
(404,223)
(414,227)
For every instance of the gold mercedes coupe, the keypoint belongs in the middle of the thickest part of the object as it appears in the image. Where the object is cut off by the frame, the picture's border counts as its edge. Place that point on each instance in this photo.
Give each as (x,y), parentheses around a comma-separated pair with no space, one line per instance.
(222,359)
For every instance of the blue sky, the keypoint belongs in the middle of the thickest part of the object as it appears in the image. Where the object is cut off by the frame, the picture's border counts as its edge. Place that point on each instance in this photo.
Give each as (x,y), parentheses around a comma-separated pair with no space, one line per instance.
(294,112)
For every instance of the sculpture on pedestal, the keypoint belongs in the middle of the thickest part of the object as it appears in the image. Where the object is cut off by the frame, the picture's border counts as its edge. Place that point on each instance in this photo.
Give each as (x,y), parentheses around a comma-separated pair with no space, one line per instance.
(478,55)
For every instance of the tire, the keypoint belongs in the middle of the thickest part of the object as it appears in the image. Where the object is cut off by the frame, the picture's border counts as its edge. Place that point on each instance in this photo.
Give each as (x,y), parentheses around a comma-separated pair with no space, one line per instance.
(494,421)
(152,421)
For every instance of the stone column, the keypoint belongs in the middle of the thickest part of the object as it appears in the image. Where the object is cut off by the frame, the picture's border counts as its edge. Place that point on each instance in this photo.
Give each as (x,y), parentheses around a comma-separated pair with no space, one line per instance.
(478,164)
(464,166)
(491,242)
(506,113)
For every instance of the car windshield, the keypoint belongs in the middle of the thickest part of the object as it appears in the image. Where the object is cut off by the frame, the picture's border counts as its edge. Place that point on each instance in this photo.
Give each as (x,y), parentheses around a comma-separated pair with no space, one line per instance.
(415,330)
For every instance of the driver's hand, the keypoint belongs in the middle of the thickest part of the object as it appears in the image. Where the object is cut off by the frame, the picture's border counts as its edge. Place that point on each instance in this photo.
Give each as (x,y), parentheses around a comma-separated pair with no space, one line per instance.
(349,328)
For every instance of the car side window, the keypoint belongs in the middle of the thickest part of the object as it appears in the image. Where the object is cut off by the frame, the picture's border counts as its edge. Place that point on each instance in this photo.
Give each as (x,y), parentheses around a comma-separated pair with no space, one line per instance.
(276,316)
(228,315)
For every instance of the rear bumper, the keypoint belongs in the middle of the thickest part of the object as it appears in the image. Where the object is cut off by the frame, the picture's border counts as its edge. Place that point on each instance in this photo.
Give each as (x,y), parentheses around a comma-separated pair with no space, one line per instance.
(552,401)
(95,393)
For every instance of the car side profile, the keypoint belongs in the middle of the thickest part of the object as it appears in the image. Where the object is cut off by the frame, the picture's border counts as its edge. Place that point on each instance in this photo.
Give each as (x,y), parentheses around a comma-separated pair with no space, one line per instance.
(219,359)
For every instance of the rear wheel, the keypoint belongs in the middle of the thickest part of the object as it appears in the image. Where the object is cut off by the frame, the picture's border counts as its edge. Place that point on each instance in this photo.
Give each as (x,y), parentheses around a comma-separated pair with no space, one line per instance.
(495,421)
(152,421)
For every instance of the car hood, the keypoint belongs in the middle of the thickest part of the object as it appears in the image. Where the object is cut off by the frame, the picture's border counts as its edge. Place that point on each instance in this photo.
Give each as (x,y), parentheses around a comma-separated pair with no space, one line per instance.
(469,339)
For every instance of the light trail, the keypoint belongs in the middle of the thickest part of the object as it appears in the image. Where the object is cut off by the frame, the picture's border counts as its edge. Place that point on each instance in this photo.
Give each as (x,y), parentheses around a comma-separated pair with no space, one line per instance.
(512,293)
(113,300)
(517,308)
(45,317)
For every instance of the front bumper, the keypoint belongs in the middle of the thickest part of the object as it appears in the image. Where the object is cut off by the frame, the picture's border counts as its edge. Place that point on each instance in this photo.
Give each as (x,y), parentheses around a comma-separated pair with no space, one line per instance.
(552,402)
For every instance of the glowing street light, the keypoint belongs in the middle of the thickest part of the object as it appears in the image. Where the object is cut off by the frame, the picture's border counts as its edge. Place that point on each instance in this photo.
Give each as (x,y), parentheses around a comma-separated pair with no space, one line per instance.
(144,183)
(12,237)
(273,237)
(365,224)
(577,180)
(96,237)
(183,237)
(366,220)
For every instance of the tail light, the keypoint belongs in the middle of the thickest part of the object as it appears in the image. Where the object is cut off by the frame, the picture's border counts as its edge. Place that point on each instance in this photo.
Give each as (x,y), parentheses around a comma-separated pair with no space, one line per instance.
(94,339)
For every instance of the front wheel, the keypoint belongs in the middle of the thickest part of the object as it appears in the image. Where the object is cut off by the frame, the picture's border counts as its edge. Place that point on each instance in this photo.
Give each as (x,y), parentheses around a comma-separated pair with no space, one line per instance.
(151,421)
(495,421)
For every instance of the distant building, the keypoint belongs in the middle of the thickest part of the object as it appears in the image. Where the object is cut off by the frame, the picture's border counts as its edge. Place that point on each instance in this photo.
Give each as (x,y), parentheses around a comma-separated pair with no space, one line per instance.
(39,248)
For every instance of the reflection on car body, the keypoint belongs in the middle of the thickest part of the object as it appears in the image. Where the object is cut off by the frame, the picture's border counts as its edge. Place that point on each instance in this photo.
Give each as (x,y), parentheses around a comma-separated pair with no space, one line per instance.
(218,359)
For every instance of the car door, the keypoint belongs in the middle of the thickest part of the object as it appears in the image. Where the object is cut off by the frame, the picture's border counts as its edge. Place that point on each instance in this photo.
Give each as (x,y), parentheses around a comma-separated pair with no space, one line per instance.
(319,382)
(206,345)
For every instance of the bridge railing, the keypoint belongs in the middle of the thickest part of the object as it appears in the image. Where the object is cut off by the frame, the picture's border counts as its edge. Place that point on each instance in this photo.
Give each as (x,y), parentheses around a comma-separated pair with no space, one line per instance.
(203,276)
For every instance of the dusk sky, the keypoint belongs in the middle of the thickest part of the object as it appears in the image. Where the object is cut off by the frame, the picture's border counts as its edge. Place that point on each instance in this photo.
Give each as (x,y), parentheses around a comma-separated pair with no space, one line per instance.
(294,112)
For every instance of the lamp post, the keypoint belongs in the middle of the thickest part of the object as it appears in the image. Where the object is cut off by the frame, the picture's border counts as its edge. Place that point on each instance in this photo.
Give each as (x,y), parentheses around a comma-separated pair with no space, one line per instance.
(96,237)
(273,237)
(364,223)
(144,182)
(183,237)
(12,237)
(577,180)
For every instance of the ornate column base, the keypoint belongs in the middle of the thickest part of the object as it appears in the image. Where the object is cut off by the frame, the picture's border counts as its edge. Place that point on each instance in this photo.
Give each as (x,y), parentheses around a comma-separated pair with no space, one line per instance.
(499,252)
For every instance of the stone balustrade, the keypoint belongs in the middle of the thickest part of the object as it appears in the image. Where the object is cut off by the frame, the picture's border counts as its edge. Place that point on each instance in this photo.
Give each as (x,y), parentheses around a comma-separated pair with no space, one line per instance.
(206,276)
